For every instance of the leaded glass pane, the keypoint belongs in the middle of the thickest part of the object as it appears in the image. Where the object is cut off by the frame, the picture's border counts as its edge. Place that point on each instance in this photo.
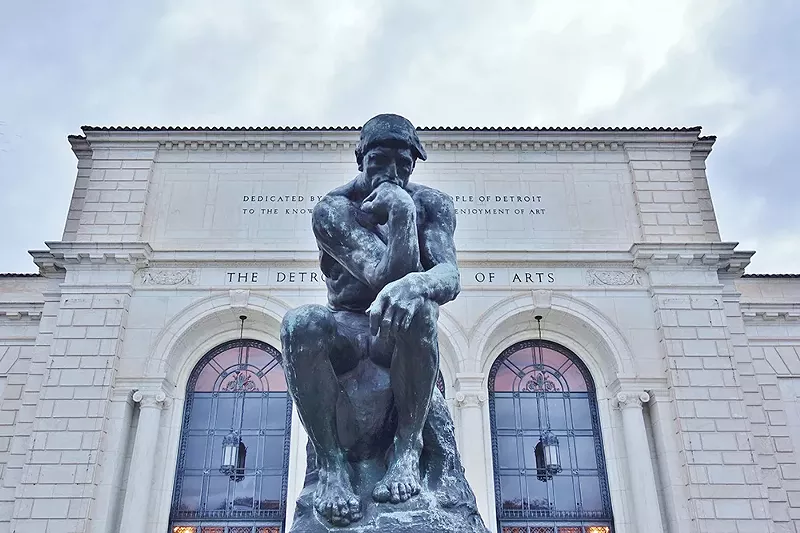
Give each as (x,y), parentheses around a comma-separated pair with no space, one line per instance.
(504,412)
(591,498)
(542,393)
(537,493)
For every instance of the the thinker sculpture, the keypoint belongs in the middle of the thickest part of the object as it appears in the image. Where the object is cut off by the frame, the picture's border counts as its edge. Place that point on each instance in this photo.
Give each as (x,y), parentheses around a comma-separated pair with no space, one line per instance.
(362,371)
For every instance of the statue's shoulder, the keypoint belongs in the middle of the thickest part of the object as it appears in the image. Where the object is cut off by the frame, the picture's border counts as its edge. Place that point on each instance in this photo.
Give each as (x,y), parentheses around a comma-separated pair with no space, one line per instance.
(434,201)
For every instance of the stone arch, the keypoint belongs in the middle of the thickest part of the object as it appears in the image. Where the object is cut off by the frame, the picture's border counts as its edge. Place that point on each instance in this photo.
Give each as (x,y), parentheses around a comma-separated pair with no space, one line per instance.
(582,329)
(452,347)
(573,323)
(209,323)
(214,320)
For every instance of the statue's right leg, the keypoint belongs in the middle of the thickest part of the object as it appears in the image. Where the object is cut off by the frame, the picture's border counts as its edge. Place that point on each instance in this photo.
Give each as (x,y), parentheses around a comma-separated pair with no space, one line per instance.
(310,342)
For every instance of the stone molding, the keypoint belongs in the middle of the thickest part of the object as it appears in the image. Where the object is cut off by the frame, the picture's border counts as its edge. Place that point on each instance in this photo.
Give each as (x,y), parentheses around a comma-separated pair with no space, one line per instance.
(631,399)
(712,256)
(752,312)
(574,145)
(150,399)
(444,139)
(66,255)
(22,310)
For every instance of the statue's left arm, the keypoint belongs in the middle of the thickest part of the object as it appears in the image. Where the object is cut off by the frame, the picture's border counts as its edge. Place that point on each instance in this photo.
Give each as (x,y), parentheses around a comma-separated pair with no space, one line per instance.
(395,306)
(440,280)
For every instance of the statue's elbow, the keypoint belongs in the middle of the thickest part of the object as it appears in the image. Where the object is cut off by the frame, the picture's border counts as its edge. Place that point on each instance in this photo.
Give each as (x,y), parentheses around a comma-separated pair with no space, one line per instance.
(456,283)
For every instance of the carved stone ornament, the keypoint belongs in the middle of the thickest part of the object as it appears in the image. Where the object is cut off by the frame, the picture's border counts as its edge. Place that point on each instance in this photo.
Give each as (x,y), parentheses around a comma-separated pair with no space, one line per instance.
(169,277)
(239,298)
(632,400)
(471,399)
(614,278)
(147,399)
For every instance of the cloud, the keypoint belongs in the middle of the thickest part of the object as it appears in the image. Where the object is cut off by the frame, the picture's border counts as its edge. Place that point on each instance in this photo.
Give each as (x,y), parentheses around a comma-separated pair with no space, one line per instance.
(729,66)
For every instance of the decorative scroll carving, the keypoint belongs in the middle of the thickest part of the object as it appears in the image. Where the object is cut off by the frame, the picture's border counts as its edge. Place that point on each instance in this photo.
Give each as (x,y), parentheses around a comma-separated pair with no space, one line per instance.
(471,398)
(612,277)
(169,277)
(148,399)
(632,400)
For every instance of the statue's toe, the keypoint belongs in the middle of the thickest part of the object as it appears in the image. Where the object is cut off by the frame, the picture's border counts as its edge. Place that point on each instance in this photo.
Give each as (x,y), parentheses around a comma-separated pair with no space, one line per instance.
(354,506)
(381,494)
(340,513)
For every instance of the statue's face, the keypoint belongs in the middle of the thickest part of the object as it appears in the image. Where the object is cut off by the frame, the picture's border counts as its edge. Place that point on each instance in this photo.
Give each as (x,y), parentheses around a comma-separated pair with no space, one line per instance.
(385,163)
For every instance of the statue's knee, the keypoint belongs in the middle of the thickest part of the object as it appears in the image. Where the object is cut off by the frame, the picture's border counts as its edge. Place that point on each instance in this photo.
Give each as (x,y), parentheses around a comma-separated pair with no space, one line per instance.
(424,325)
(306,324)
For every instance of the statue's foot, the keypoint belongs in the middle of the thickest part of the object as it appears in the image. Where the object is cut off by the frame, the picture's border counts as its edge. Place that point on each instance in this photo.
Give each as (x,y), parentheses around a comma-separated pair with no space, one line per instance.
(401,481)
(334,498)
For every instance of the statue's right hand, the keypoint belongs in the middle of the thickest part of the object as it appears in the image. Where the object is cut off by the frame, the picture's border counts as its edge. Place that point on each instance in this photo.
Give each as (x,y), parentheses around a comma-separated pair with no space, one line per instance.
(385,199)
(395,307)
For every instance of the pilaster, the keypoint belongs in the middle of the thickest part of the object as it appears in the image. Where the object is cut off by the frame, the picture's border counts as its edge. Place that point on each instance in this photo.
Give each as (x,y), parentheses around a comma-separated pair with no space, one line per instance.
(59,489)
(471,402)
(716,445)
(137,495)
(641,475)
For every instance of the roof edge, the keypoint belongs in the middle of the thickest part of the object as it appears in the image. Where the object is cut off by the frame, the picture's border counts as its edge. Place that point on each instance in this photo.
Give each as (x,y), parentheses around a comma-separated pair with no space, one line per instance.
(484,129)
(773,276)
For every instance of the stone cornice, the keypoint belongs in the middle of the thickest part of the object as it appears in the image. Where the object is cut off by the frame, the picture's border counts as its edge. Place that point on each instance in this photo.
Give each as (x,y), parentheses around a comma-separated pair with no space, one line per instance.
(767,312)
(719,256)
(635,385)
(80,147)
(21,310)
(70,255)
(434,139)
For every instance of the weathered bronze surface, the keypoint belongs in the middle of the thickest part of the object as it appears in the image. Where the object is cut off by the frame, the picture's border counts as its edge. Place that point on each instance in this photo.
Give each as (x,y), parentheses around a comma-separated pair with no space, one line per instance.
(361,371)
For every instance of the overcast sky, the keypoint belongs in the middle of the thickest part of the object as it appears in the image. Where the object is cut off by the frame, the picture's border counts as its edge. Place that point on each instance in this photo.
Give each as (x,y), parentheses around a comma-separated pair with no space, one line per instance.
(731,66)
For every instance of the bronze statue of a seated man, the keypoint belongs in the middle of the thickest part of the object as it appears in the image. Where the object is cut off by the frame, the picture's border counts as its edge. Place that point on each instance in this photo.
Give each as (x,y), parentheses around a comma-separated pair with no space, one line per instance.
(388,256)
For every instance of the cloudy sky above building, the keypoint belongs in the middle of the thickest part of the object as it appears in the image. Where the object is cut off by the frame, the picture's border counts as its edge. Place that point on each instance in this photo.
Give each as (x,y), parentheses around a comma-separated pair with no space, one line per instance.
(730,66)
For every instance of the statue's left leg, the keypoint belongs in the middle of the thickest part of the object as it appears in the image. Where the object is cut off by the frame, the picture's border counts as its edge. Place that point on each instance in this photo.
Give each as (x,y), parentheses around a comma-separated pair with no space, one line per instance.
(414,366)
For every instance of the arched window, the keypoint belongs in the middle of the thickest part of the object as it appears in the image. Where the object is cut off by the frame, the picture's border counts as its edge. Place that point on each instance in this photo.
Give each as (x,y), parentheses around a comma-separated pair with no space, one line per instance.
(234,448)
(549,470)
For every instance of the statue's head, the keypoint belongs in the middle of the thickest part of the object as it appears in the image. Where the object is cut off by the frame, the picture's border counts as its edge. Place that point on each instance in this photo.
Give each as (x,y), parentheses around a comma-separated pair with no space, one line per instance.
(388,149)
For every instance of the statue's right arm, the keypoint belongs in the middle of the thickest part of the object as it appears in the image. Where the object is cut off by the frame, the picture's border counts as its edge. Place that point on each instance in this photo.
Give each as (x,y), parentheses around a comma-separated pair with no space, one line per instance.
(358,249)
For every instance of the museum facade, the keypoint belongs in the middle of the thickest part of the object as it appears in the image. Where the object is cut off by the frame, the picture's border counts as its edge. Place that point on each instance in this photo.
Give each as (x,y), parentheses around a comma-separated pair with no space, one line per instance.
(608,365)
